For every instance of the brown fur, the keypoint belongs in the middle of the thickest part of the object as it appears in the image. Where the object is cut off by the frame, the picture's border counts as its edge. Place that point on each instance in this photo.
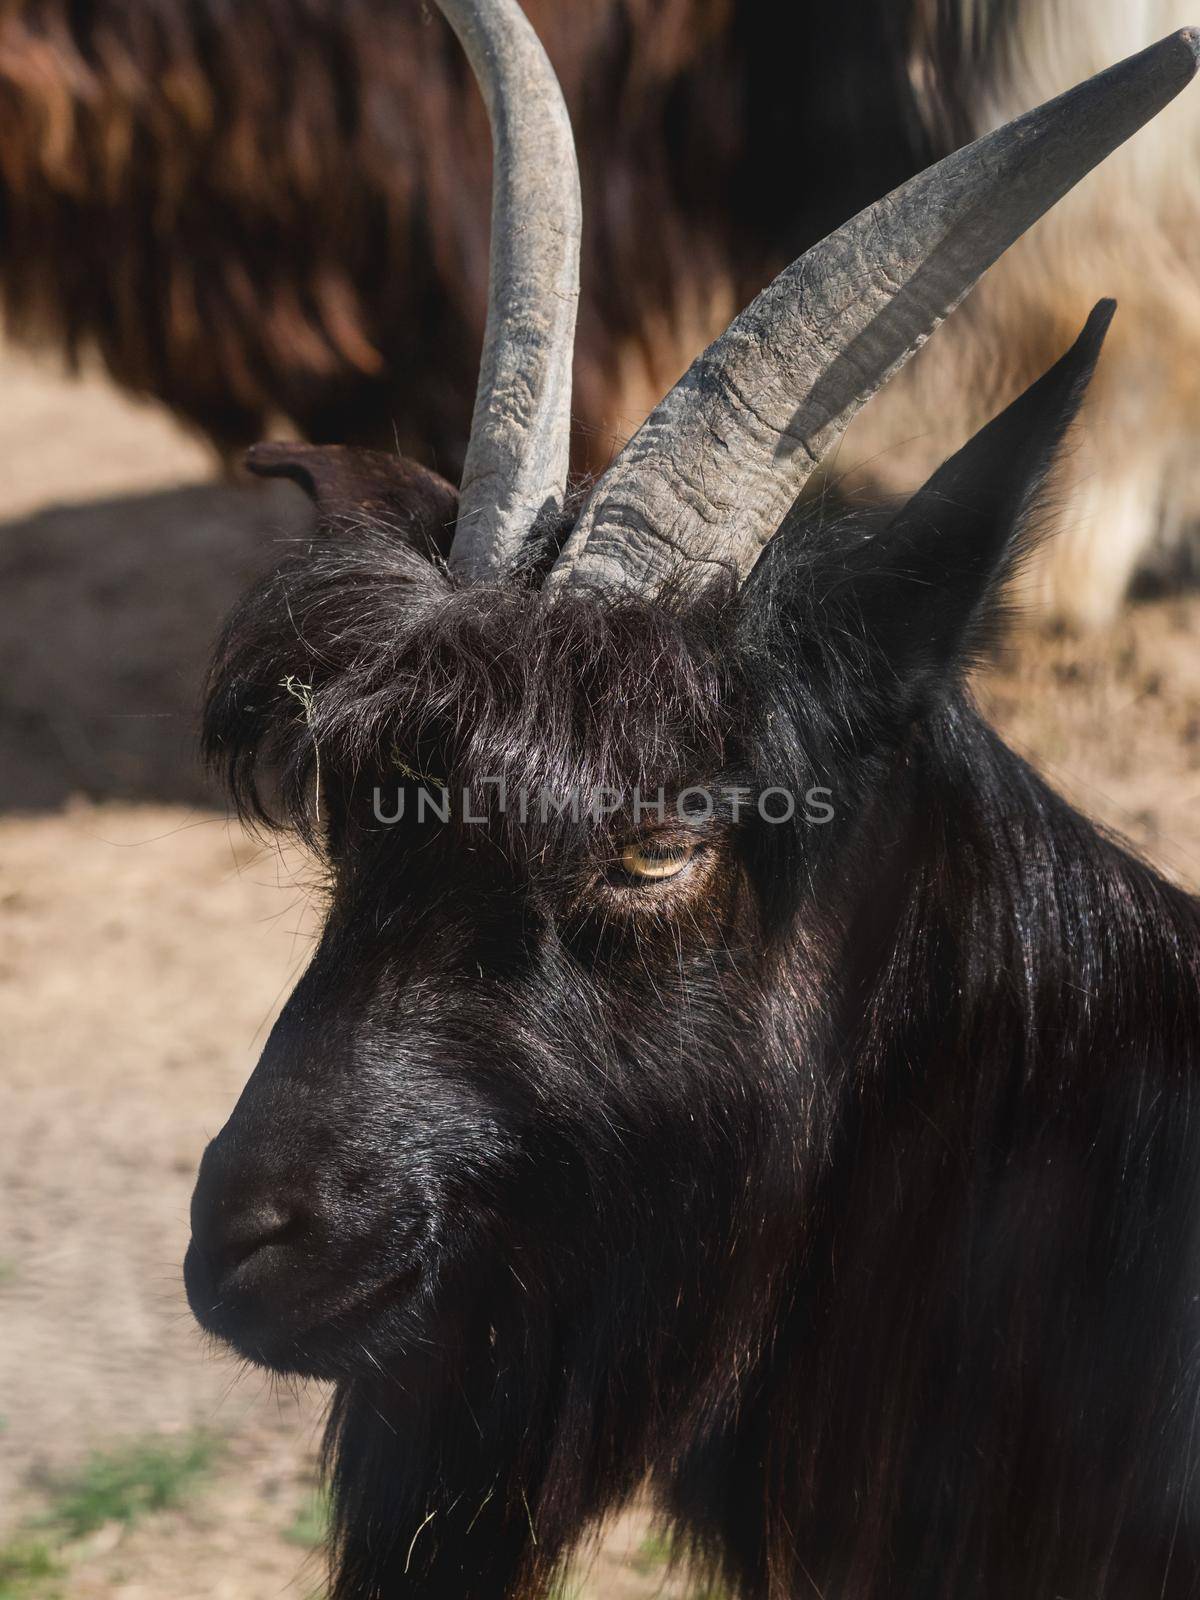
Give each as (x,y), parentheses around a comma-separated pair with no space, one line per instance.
(280,210)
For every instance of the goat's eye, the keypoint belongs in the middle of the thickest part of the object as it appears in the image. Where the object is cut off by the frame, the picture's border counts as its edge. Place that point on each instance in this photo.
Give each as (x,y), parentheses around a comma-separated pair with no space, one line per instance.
(651,862)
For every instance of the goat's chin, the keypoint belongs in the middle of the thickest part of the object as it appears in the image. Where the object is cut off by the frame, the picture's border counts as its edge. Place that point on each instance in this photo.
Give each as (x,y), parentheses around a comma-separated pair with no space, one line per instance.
(308,1354)
(300,1328)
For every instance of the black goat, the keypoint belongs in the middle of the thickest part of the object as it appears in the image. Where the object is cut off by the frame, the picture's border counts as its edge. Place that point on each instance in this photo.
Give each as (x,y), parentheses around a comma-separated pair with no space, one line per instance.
(725,1064)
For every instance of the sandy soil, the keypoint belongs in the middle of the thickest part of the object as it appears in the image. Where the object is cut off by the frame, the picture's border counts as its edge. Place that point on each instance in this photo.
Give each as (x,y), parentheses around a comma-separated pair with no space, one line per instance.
(145,944)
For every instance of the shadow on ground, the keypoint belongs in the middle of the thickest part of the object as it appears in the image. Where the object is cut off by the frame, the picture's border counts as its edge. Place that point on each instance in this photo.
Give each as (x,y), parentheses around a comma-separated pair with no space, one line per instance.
(109,611)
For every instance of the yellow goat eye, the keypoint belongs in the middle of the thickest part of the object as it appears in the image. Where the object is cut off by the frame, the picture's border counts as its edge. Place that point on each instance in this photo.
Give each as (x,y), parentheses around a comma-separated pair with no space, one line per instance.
(652,862)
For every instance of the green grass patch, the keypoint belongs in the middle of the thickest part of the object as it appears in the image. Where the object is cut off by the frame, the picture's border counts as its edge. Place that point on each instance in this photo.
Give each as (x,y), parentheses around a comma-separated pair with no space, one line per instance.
(656,1551)
(111,1486)
(311,1523)
(29,1570)
(653,1552)
(122,1485)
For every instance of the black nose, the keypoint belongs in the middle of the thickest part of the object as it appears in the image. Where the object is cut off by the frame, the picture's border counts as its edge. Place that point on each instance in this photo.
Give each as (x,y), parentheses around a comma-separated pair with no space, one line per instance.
(239,1221)
(233,1233)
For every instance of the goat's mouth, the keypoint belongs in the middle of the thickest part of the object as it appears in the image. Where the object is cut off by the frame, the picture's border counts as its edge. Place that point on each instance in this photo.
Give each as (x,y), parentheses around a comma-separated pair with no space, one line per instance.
(299,1318)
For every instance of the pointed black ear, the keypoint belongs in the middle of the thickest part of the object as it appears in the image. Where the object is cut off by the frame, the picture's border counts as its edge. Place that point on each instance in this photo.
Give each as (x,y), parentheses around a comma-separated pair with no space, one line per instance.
(347,484)
(928,583)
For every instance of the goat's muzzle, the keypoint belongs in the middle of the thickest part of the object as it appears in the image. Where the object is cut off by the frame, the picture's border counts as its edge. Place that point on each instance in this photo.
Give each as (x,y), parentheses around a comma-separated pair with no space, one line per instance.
(282,1271)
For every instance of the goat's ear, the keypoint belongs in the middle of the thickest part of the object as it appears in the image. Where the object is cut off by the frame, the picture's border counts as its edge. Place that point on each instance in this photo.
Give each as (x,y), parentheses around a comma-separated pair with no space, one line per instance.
(928,584)
(349,485)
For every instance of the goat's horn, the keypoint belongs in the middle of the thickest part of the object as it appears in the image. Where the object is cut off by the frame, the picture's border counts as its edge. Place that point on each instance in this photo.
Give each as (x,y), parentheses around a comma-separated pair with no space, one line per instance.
(517,459)
(710,475)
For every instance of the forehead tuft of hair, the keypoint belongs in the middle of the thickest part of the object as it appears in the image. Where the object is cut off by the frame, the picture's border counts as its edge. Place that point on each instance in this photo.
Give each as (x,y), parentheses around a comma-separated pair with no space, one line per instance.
(359,656)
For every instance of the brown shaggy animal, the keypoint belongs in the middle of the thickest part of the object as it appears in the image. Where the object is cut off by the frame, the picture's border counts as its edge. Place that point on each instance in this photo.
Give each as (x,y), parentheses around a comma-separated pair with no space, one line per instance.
(279,210)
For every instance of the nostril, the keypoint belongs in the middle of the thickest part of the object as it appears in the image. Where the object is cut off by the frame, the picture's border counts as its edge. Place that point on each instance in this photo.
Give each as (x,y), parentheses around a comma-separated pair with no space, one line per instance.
(250,1229)
(253,1229)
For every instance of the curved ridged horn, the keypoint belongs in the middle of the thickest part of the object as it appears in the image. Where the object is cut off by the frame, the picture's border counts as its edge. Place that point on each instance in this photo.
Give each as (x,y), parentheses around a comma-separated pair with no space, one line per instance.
(711,474)
(517,458)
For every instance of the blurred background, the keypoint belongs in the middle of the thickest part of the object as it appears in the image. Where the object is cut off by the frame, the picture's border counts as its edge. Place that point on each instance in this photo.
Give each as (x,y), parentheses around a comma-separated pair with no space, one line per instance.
(218,223)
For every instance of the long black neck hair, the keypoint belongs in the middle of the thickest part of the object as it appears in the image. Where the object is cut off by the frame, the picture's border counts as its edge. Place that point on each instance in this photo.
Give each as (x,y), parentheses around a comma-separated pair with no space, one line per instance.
(888,1286)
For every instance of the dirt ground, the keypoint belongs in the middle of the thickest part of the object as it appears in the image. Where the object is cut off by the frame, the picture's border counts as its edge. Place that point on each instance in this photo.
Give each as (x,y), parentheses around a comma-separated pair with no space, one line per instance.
(145,945)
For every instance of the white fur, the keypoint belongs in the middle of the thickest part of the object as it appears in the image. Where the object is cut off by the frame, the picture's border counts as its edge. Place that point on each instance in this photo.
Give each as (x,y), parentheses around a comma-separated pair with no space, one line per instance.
(1131,229)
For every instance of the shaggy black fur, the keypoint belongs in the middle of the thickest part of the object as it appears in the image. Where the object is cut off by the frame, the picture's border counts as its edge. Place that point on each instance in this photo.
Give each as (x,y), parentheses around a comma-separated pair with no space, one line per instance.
(845,1186)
